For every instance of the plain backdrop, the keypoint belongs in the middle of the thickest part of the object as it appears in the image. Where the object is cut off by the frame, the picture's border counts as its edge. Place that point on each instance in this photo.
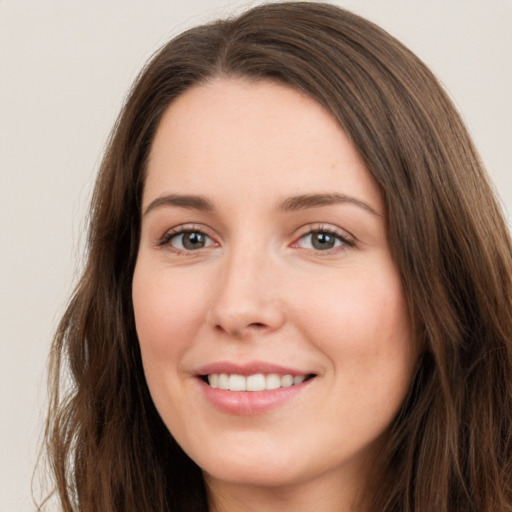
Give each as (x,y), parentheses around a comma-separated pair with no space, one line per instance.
(65,67)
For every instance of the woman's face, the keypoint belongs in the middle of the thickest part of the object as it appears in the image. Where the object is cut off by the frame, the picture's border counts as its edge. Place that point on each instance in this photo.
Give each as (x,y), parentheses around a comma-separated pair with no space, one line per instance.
(264,265)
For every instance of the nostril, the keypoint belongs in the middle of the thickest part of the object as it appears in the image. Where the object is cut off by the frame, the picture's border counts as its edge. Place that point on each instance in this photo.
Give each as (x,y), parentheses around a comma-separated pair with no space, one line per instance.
(239,333)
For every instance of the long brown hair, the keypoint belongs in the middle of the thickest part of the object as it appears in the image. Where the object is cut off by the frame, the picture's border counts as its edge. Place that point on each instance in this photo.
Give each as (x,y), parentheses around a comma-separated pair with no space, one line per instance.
(451,443)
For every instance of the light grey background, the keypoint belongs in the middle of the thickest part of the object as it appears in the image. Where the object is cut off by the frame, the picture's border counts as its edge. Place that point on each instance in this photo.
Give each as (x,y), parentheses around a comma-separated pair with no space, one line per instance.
(65,67)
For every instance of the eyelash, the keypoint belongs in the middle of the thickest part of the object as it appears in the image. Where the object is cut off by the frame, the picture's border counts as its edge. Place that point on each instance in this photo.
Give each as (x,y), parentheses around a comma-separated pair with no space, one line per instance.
(344,239)
(182,230)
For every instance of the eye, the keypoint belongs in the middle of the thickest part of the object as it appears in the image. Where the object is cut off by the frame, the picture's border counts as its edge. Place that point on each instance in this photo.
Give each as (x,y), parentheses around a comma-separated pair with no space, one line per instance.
(323,240)
(187,240)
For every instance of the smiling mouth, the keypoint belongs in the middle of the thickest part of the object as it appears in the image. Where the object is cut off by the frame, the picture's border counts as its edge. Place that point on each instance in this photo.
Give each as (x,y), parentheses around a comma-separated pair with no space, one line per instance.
(255,382)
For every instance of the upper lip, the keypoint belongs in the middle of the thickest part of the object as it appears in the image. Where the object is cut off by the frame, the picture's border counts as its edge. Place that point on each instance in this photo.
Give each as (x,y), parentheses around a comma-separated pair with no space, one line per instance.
(249,368)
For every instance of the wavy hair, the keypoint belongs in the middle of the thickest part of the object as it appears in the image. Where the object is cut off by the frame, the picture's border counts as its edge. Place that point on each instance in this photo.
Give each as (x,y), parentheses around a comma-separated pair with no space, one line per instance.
(450,448)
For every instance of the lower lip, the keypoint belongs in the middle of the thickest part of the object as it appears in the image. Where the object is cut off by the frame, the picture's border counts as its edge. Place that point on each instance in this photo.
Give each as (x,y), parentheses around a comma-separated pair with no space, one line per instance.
(250,402)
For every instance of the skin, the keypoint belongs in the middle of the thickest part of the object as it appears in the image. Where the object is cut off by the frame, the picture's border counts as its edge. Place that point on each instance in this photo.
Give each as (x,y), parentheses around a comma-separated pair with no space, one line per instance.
(260,290)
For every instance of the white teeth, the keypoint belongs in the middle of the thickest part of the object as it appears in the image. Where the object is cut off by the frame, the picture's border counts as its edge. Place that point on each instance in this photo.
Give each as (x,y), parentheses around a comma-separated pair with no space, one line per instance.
(256,382)
(273,381)
(213,380)
(286,381)
(223,381)
(237,383)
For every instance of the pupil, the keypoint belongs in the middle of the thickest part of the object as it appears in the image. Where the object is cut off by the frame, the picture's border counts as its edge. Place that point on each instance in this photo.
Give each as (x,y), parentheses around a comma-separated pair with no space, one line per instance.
(193,240)
(323,241)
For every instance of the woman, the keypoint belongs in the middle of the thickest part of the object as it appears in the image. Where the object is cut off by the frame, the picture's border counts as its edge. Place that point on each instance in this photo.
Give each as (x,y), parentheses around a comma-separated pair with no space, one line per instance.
(298,289)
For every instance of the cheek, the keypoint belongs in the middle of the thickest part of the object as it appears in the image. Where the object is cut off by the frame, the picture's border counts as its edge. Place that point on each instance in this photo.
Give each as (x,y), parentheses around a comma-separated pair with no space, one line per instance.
(167,314)
(364,330)
(362,325)
(359,304)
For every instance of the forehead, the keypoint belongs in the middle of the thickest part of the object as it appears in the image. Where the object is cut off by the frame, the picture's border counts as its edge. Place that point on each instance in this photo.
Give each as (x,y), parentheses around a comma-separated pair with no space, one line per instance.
(232,136)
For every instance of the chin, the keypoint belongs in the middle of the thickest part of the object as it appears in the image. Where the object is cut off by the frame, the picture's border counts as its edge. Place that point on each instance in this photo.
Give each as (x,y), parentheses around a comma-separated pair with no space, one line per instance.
(253,466)
(252,475)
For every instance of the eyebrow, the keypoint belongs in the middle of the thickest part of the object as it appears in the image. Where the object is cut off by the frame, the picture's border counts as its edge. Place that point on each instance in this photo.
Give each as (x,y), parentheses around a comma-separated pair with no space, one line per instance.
(290,204)
(190,202)
(306,201)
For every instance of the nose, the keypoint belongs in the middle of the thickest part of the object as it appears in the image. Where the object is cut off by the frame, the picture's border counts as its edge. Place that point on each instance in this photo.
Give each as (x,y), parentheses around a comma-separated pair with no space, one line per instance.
(247,299)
